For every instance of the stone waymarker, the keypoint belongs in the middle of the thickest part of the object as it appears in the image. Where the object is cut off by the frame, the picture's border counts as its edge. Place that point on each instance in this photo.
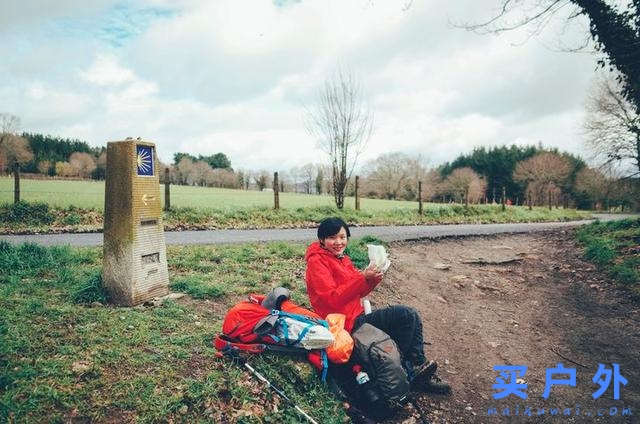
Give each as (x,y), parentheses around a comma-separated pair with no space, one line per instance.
(135,258)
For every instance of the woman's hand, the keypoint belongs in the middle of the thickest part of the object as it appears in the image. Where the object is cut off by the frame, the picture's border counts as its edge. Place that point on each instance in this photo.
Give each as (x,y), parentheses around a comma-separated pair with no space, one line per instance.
(372,274)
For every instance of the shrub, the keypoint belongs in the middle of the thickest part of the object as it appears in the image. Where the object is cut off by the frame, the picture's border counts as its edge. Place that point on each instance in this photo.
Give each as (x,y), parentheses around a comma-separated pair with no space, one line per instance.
(600,250)
(26,213)
(626,274)
(72,218)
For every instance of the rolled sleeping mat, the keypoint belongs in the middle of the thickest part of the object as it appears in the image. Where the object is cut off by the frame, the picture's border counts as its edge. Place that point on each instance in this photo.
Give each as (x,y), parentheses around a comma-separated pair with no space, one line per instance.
(276,296)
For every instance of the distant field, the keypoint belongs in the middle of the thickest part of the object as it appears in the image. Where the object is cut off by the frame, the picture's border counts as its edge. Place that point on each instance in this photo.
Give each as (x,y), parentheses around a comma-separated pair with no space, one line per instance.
(90,194)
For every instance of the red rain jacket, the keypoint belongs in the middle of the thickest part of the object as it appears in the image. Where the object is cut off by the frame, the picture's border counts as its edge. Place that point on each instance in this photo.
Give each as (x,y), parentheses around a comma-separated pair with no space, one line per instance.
(334,285)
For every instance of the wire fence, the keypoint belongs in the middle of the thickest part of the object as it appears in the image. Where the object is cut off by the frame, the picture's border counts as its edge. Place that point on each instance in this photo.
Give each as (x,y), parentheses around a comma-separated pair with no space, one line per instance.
(204,197)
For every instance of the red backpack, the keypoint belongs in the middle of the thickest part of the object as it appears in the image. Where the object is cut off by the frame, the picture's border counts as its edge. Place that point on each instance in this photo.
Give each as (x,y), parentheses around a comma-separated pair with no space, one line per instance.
(239,330)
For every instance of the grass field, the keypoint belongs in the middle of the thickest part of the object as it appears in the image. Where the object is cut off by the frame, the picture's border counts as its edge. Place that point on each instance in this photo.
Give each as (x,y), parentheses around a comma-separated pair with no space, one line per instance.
(66,356)
(90,194)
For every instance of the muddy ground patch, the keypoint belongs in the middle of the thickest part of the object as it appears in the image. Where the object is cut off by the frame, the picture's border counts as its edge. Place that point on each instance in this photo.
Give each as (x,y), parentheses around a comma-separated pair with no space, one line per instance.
(516,300)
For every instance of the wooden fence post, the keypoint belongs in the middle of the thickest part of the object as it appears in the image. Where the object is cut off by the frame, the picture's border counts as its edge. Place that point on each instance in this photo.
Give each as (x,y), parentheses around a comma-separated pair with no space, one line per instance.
(420,197)
(504,197)
(167,194)
(16,183)
(357,197)
(276,186)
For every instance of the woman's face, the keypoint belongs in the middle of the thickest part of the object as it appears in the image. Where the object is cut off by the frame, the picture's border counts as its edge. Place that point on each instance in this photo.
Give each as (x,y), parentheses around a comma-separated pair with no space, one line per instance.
(337,242)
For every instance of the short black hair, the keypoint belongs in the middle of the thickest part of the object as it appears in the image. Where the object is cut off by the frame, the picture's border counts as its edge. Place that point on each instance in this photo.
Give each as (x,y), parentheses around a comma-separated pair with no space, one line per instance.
(331,226)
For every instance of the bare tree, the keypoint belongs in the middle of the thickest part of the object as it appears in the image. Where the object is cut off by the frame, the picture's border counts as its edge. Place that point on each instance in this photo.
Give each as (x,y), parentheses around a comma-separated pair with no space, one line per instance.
(296,178)
(198,173)
(44,166)
(82,163)
(64,169)
(343,123)
(101,166)
(242,178)
(543,175)
(262,179)
(308,173)
(9,124)
(14,149)
(319,180)
(430,183)
(183,170)
(387,175)
(612,127)
(594,184)
(284,181)
(465,185)
(222,177)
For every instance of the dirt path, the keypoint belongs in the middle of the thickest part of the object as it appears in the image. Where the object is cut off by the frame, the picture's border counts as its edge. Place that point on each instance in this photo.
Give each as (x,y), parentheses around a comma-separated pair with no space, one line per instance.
(547,306)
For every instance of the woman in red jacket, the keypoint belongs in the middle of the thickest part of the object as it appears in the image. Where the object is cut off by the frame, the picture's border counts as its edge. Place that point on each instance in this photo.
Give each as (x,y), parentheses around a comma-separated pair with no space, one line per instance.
(334,285)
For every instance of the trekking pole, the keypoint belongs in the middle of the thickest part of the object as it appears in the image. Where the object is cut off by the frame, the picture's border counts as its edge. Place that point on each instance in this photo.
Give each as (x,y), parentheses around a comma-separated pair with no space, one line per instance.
(237,358)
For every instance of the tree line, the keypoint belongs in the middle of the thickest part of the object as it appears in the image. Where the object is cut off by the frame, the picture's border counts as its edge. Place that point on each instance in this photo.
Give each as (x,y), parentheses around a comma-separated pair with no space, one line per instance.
(522,174)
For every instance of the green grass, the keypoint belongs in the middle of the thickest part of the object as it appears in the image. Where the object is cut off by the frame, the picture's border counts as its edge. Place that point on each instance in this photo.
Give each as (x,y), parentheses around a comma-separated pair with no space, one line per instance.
(64,358)
(615,247)
(19,219)
(90,195)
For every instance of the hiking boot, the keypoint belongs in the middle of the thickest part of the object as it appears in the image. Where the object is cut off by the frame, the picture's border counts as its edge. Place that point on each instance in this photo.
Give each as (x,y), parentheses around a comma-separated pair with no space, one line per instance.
(436,385)
(425,379)
(357,416)
(422,373)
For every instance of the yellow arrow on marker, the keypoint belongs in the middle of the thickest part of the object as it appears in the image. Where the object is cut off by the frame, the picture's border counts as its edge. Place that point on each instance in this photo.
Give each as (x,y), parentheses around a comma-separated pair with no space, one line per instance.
(147,198)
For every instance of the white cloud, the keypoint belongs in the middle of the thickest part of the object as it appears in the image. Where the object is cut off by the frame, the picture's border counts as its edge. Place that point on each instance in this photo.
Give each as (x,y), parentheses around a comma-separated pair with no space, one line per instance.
(234,77)
(106,71)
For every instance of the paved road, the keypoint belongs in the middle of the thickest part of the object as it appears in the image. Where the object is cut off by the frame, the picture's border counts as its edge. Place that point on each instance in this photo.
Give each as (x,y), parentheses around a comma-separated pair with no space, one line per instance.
(388,233)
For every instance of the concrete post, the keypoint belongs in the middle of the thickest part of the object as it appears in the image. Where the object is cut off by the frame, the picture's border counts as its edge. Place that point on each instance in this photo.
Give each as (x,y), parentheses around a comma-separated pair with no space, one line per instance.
(134,251)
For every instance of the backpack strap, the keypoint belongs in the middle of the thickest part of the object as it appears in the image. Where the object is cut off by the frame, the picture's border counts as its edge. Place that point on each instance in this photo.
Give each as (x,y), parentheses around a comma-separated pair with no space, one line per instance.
(325,364)
(265,326)
(303,318)
(222,344)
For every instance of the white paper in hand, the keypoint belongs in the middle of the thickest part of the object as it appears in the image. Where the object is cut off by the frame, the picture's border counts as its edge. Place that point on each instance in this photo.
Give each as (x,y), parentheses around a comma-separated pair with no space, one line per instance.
(378,257)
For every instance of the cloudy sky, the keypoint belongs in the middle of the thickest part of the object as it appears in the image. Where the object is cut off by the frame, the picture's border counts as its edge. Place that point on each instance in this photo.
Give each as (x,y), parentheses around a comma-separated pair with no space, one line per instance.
(235,76)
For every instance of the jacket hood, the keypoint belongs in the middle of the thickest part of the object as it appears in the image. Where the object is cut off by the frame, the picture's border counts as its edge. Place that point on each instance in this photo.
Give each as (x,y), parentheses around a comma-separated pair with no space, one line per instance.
(316,249)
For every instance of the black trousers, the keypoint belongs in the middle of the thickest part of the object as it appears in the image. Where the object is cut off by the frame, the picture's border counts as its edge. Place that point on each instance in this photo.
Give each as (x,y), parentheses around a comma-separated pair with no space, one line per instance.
(403,325)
